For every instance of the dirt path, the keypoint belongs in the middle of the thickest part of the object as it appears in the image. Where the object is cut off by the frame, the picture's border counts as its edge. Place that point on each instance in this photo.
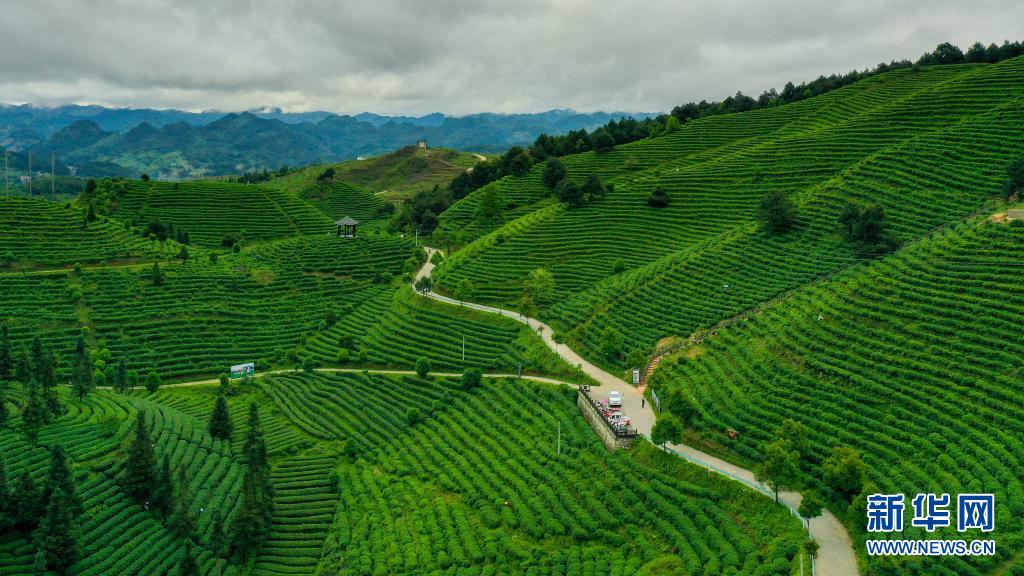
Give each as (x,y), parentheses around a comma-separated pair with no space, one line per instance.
(835,555)
(212,381)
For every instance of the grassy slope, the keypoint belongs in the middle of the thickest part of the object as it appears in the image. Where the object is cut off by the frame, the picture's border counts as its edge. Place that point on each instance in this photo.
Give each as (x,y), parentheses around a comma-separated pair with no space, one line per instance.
(913,360)
(929,146)
(36,232)
(395,176)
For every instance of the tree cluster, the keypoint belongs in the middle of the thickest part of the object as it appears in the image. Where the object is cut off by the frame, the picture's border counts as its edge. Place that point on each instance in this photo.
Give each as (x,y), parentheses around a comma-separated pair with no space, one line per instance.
(777,213)
(865,228)
(51,514)
(251,524)
(1014,179)
(36,369)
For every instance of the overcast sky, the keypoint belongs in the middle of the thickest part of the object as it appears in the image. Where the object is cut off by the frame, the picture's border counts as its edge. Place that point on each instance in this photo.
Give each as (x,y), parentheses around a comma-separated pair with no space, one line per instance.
(459,56)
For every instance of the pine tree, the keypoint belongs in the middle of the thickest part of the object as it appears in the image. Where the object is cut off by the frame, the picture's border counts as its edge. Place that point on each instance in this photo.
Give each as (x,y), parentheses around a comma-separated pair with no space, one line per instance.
(27,502)
(220,422)
(259,464)
(34,414)
(182,521)
(219,538)
(162,496)
(81,371)
(6,360)
(61,478)
(187,566)
(249,528)
(56,536)
(4,414)
(121,376)
(140,467)
(46,372)
(22,366)
(6,501)
(153,381)
(158,276)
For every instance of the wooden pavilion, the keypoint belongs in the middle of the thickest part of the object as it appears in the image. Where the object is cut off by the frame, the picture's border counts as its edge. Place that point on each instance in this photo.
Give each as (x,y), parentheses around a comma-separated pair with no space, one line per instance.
(347,227)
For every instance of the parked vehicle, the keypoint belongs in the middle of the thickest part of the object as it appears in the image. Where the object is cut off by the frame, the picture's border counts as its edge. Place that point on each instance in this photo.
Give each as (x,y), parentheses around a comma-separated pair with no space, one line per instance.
(615,398)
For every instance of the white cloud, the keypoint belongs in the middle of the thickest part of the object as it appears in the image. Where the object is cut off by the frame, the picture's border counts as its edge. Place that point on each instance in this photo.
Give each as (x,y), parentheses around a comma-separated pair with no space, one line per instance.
(458,56)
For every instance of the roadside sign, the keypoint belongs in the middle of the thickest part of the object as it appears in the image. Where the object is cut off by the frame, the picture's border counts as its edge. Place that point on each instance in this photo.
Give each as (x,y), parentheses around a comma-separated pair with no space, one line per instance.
(243,370)
(636,376)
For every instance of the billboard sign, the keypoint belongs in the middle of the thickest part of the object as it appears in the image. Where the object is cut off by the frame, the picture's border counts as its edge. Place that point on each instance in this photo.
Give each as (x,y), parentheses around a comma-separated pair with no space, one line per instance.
(243,370)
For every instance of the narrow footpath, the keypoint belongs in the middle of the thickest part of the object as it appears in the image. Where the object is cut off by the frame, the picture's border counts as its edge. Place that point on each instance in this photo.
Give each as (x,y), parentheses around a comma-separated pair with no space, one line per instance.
(835,554)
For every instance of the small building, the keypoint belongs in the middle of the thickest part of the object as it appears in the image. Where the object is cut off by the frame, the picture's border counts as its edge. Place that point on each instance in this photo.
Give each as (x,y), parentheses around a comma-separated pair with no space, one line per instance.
(25,179)
(347,227)
(421,144)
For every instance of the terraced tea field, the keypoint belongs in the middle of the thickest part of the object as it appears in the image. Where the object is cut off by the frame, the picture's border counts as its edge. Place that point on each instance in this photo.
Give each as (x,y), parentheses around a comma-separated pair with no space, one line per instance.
(913,360)
(36,232)
(930,147)
(211,210)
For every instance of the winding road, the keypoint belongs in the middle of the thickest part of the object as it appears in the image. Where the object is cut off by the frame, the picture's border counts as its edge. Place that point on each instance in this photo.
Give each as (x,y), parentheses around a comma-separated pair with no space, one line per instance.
(835,554)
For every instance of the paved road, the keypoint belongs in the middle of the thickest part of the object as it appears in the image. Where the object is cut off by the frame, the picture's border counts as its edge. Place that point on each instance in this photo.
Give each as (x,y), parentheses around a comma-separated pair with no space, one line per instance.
(835,555)
(372,371)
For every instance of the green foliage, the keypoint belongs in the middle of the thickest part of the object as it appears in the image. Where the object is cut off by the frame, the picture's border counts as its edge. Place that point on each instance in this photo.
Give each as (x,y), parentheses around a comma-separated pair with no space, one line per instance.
(1014,178)
(157,275)
(82,370)
(777,212)
(471,378)
(422,366)
(139,477)
(220,421)
(611,343)
(539,287)
(153,381)
(865,228)
(554,172)
(810,505)
(182,521)
(187,566)
(570,192)
(659,198)
(602,141)
(780,467)
(667,429)
(844,470)
(413,416)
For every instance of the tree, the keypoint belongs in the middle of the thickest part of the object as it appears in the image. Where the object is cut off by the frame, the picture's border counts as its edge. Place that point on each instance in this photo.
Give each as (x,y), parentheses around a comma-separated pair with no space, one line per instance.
(220,422)
(250,526)
(27,501)
(225,384)
(46,374)
(540,287)
(489,208)
(810,506)
(34,414)
(777,212)
(153,381)
(183,254)
(570,193)
(592,188)
(255,450)
(56,538)
(158,275)
(682,405)
(471,378)
(60,477)
(182,521)
(6,501)
(602,141)
(6,360)
(121,376)
(667,429)
(161,498)
(976,53)
(5,416)
(219,538)
(796,434)
(843,471)
(424,284)
(1014,179)
(464,289)
(422,366)
(81,370)
(866,229)
(780,467)
(611,342)
(659,198)
(187,565)
(140,465)
(413,416)
(554,172)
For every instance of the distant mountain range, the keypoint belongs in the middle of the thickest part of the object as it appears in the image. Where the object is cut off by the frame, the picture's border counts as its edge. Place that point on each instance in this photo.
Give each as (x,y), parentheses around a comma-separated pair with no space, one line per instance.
(173,144)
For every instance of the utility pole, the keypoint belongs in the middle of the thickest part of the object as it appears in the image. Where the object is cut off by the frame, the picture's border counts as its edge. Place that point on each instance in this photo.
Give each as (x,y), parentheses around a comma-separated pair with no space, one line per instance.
(53,176)
(29,173)
(559,437)
(463,347)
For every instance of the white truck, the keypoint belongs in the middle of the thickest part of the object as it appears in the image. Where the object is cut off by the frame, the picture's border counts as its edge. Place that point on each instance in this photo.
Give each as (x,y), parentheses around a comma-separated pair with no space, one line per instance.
(615,399)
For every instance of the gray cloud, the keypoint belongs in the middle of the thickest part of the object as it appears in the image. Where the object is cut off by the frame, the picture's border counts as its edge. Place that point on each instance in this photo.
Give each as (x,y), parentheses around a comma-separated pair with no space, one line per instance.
(459,56)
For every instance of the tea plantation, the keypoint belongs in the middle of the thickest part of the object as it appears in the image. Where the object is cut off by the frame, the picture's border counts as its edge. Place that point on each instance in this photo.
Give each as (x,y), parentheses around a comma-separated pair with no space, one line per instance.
(911,360)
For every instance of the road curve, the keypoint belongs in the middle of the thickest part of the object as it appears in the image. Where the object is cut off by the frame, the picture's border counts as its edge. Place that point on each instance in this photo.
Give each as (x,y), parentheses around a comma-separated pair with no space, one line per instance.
(835,553)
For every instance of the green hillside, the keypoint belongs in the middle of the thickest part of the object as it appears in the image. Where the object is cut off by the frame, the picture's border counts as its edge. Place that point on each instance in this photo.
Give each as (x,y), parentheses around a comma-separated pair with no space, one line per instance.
(929,145)
(36,232)
(912,360)
(213,210)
